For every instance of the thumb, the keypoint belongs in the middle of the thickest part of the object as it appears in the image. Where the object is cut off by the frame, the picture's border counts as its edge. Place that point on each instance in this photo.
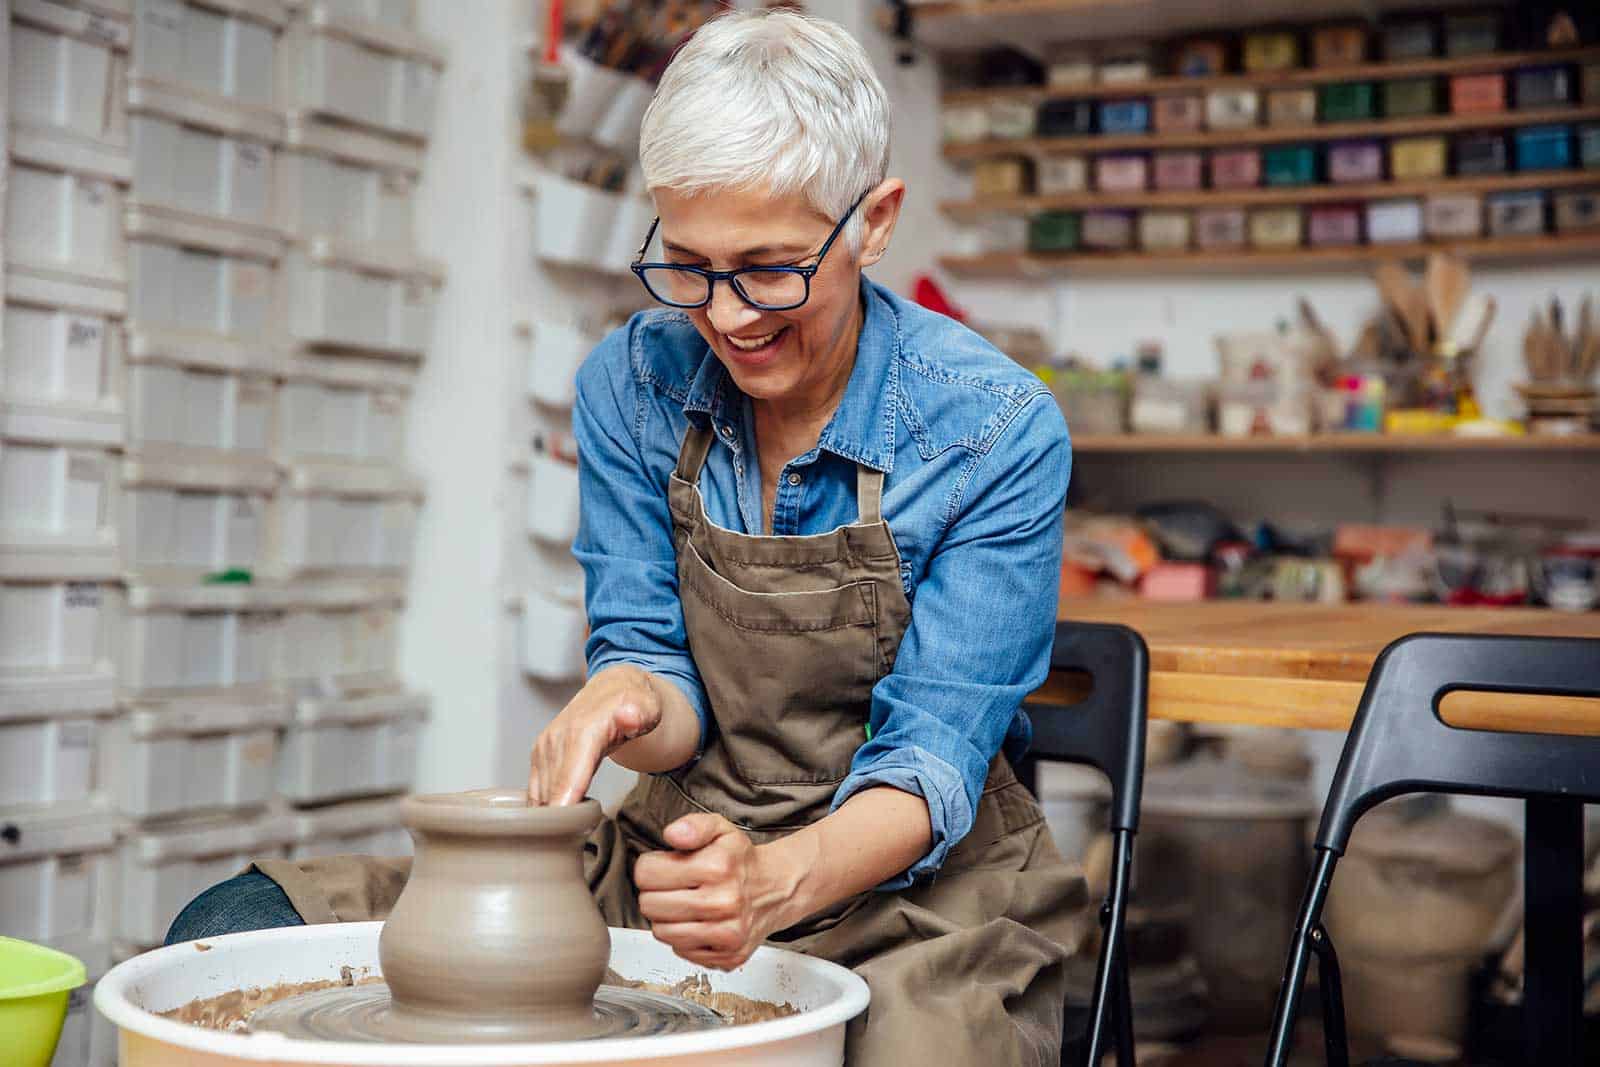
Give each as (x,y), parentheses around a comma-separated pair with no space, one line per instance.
(696,831)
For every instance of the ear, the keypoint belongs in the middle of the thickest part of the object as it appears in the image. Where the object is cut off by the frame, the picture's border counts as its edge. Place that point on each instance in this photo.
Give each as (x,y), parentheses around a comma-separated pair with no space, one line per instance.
(881,209)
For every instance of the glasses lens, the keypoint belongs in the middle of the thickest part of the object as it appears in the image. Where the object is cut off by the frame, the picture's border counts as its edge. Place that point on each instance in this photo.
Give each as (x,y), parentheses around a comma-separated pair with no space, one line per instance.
(772,288)
(673,286)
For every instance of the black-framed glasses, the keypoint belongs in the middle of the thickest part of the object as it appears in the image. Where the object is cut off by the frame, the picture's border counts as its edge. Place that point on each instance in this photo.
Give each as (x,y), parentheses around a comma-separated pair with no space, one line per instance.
(764,288)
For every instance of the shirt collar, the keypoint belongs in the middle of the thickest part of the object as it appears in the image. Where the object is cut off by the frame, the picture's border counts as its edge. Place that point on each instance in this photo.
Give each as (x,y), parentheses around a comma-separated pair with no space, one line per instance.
(862,427)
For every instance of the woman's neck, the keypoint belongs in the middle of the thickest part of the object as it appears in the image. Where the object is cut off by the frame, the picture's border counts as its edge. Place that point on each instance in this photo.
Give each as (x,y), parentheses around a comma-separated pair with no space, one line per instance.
(792,424)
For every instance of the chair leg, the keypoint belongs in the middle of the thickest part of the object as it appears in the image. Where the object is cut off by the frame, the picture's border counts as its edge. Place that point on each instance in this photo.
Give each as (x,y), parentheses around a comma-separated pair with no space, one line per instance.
(1300,948)
(1334,1040)
(1112,991)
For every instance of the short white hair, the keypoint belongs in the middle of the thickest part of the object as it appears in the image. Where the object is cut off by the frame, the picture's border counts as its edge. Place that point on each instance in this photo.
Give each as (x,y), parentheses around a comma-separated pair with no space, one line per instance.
(773,100)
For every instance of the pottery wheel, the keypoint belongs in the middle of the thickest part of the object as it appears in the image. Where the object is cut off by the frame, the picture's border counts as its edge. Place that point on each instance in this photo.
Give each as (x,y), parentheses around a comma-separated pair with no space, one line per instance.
(366,1013)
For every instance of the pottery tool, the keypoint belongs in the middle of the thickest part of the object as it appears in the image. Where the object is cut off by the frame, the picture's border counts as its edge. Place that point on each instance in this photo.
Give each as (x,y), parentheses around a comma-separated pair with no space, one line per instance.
(1447,283)
(1408,300)
(1471,324)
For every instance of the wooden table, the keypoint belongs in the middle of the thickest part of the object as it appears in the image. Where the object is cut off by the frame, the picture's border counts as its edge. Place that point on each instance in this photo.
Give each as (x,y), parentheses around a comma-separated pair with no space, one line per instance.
(1304,665)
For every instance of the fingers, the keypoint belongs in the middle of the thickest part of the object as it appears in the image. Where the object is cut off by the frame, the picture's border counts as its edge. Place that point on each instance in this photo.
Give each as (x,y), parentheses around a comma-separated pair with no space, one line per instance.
(665,871)
(696,831)
(723,945)
(714,904)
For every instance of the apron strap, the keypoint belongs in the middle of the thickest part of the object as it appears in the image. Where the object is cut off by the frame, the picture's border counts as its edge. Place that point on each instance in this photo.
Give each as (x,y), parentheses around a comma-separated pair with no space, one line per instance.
(692,455)
(869,494)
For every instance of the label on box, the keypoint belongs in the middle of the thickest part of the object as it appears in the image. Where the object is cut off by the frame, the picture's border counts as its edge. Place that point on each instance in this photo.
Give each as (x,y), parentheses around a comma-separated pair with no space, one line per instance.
(94,190)
(249,279)
(83,332)
(388,402)
(84,468)
(77,734)
(251,154)
(82,595)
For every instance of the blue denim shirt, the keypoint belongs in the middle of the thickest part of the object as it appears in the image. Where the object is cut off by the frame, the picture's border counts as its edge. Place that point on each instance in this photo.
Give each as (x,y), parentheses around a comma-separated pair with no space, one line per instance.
(976,462)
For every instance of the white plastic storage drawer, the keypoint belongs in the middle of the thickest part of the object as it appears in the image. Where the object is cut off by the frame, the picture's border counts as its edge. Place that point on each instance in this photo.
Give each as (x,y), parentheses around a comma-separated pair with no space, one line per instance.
(186,520)
(58,875)
(174,407)
(553,353)
(552,515)
(88,1039)
(343,410)
(398,13)
(367,73)
(341,637)
(353,747)
(205,159)
(182,759)
(64,201)
(343,518)
(343,299)
(222,48)
(552,635)
(216,287)
(61,347)
(55,632)
(48,745)
(199,640)
(69,69)
(57,496)
(365,827)
(162,870)
(353,187)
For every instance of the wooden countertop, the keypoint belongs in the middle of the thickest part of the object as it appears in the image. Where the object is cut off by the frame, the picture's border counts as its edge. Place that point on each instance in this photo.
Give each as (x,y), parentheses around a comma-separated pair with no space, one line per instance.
(1304,665)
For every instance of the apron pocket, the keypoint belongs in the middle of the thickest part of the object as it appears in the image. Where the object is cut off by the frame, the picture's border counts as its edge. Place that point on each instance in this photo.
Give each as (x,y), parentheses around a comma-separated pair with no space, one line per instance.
(832,608)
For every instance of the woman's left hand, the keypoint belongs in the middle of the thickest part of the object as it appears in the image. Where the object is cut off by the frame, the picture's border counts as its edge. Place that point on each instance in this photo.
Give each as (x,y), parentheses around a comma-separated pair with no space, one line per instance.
(718,896)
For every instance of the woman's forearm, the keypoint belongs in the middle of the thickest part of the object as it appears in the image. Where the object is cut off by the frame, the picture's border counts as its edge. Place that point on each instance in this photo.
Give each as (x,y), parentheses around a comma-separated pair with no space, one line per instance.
(673,742)
(872,837)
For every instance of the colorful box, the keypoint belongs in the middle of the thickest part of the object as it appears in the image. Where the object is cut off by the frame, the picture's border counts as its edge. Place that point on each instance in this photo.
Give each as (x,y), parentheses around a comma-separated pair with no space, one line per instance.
(1418,158)
(1125,63)
(1004,176)
(1406,98)
(1476,34)
(1332,225)
(1220,227)
(1544,148)
(1108,231)
(1344,45)
(1236,168)
(1394,221)
(1275,227)
(1478,94)
(1456,216)
(1294,164)
(1204,57)
(1291,107)
(1577,211)
(1589,146)
(1179,170)
(1520,214)
(1543,87)
(1347,102)
(1124,116)
(1071,67)
(1122,173)
(1232,109)
(1410,39)
(964,124)
(1478,154)
(1057,175)
(1165,231)
(1012,120)
(1275,50)
(1065,118)
(1179,114)
(1053,231)
(1352,162)
(1591,83)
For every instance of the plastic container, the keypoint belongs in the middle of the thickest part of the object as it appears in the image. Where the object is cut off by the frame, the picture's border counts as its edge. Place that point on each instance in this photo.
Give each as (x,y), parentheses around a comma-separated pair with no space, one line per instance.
(347,185)
(342,298)
(1260,408)
(1108,231)
(1394,221)
(377,75)
(1006,176)
(1165,231)
(1456,216)
(1418,158)
(181,521)
(57,638)
(551,638)
(553,351)
(1178,114)
(58,875)
(1054,231)
(1218,228)
(1481,154)
(179,410)
(202,158)
(1232,109)
(340,637)
(1066,118)
(1536,88)
(964,123)
(160,762)
(1347,102)
(358,746)
(1577,211)
(211,641)
(1519,214)
(1276,228)
(1291,107)
(1203,57)
(1124,116)
(343,519)
(1416,38)
(1355,162)
(350,410)
(1069,67)
(35,983)
(1410,97)
(64,201)
(1122,173)
(573,222)
(61,348)
(1179,170)
(218,50)
(1011,119)
(48,742)
(1056,175)
(1236,168)
(69,69)
(1544,148)
(364,827)
(1478,94)
(1330,225)
(163,869)
(57,495)
(1289,164)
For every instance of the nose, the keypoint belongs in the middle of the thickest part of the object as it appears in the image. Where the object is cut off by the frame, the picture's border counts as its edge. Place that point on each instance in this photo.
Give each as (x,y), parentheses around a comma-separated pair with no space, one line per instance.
(727,312)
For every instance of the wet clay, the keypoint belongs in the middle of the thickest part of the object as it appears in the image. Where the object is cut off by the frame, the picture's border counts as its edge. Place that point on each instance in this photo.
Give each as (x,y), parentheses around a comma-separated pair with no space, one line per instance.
(696,989)
(232,1010)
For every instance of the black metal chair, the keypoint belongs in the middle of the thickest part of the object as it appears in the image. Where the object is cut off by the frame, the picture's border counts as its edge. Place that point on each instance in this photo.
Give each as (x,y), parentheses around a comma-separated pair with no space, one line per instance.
(1105,730)
(1398,744)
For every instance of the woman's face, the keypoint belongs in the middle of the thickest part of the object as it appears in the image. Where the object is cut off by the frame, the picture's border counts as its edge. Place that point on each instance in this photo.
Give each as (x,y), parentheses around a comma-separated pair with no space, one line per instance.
(776,355)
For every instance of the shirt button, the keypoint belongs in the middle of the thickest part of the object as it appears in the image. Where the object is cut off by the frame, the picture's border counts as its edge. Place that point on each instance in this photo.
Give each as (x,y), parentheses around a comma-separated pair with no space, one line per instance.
(727,433)
(794,479)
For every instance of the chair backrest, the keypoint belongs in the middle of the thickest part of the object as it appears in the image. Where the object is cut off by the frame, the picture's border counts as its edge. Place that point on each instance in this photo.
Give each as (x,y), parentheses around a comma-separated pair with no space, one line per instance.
(1106,729)
(1399,744)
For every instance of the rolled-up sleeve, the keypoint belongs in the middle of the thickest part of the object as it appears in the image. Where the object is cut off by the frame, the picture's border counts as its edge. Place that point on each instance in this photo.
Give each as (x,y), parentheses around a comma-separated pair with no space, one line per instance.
(981,629)
(624,540)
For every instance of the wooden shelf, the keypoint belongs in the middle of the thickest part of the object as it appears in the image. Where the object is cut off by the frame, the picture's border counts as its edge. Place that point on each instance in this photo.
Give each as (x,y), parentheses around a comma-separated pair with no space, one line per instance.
(1023,265)
(1327,444)
(1287,79)
(1266,135)
(1269,196)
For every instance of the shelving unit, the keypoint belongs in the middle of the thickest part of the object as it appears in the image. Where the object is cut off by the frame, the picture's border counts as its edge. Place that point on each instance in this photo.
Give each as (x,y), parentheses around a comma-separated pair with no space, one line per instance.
(1328,444)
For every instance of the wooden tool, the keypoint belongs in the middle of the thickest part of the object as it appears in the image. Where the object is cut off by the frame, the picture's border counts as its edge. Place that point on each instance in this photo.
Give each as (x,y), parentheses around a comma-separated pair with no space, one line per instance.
(1447,283)
(1408,300)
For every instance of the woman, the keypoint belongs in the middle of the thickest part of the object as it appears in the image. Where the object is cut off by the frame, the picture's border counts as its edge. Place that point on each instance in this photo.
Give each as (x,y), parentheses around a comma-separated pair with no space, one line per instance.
(775,468)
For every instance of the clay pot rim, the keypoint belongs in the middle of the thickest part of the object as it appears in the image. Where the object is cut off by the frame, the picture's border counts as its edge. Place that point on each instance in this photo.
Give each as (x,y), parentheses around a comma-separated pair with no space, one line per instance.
(497,813)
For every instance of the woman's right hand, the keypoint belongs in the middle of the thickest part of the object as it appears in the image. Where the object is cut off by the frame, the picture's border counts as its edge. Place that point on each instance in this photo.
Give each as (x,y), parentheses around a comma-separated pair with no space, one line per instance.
(616,706)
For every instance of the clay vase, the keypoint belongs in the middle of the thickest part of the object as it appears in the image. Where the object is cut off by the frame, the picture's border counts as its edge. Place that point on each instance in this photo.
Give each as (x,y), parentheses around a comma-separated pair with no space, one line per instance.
(495,936)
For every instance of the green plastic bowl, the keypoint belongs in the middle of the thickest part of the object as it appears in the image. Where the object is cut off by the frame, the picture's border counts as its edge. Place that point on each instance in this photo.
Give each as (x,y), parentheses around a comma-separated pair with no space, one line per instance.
(34,984)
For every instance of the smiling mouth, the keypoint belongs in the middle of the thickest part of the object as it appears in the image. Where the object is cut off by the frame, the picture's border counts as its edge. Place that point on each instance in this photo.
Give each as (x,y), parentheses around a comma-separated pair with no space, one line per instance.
(755,344)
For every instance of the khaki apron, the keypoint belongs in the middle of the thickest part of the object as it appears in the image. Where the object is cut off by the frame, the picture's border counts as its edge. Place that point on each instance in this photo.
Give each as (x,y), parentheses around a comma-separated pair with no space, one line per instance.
(964,968)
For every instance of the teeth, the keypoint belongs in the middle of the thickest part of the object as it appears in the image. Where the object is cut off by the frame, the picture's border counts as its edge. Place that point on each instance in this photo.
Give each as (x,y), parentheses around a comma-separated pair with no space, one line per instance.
(750,345)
